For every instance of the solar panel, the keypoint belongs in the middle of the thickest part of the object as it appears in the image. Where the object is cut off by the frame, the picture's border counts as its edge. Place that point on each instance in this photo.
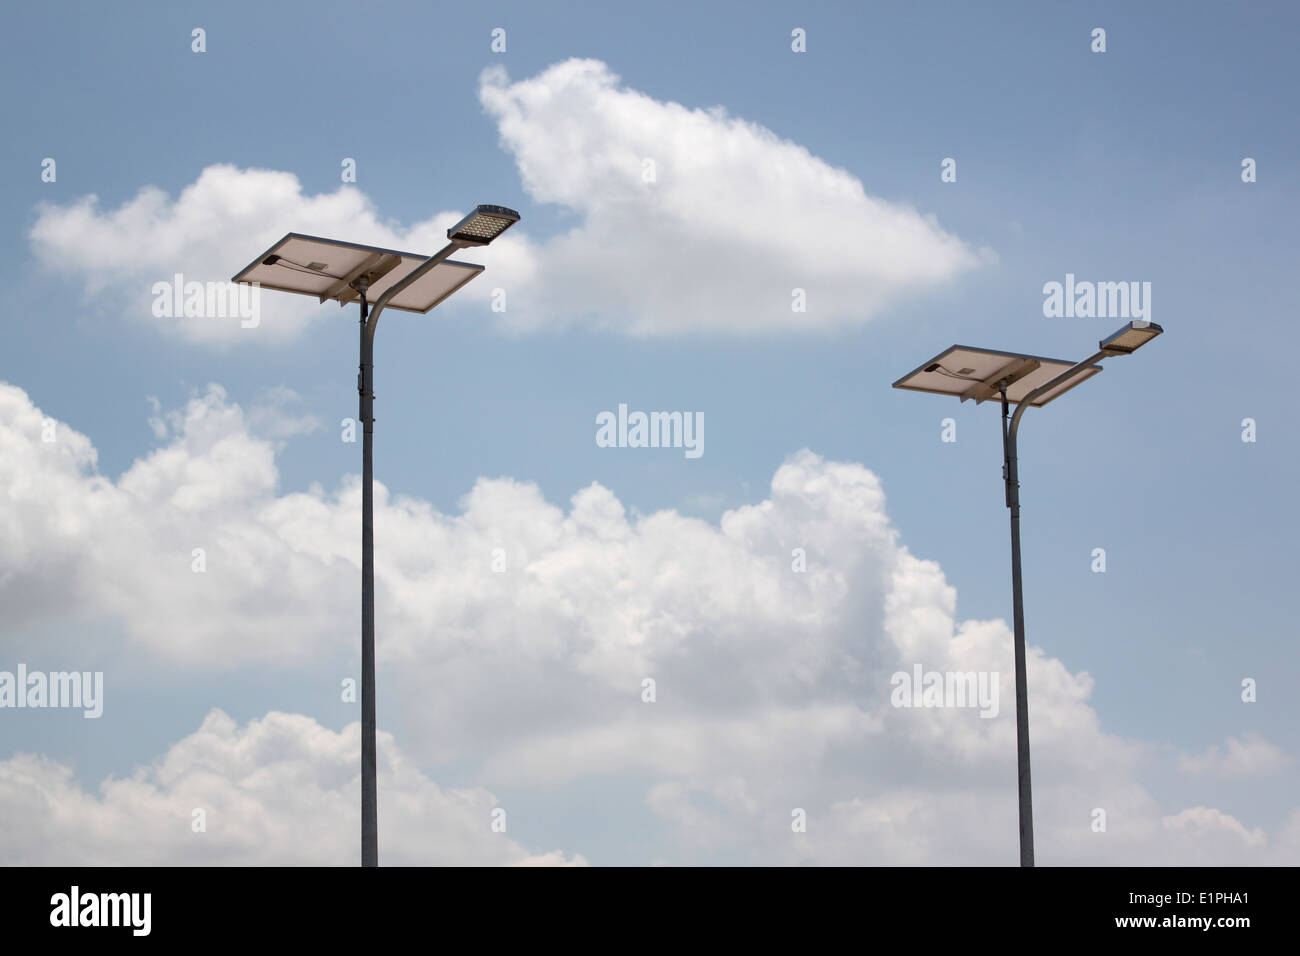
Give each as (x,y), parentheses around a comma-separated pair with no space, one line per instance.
(972,373)
(326,268)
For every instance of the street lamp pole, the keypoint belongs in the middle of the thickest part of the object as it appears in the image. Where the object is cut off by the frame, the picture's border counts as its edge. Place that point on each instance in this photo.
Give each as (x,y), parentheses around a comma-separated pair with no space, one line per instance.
(1011,475)
(329,269)
(369,784)
(1012,478)
(1006,371)
(366,390)
(462,236)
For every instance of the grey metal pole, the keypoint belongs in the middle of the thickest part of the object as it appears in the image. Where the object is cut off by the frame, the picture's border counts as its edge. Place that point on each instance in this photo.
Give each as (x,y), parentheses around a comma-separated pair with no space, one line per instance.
(1011,476)
(369,786)
(365,388)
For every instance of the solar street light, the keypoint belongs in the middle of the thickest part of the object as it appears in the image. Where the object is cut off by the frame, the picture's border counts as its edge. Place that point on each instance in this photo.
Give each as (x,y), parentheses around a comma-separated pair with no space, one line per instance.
(1025,381)
(345,272)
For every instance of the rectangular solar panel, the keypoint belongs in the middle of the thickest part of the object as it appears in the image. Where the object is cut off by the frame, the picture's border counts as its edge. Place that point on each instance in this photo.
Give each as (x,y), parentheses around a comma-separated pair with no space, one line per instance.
(325,268)
(967,372)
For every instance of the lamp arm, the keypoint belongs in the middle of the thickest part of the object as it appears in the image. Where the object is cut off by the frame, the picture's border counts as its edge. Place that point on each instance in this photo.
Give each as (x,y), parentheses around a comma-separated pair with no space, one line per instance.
(420,270)
(1043,389)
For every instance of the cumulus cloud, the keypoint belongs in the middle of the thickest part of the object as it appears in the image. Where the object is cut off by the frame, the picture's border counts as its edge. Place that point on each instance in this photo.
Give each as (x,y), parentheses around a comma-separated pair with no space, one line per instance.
(1245,756)
(281,790)
(189,547)
(275,415)
(520,636)
(213,229)
(689,219)
(692,219)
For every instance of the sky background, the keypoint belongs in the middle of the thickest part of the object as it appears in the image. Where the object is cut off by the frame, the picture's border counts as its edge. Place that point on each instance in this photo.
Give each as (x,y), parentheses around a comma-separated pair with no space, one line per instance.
(774,170)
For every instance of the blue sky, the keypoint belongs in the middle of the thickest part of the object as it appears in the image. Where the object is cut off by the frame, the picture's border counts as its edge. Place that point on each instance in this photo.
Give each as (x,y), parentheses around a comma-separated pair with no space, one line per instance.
(1115,166)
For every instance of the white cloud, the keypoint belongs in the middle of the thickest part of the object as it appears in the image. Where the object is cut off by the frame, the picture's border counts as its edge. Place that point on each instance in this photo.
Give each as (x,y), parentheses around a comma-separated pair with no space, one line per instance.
(214,228)
(126,548)
(281,790)
(772,687)
(735,219)
(273,416)
(1245,756)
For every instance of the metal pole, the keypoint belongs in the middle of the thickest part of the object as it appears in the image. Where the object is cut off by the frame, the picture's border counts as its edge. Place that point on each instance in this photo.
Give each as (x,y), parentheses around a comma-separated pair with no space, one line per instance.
(365,386)
(369,787)
(1011,476)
